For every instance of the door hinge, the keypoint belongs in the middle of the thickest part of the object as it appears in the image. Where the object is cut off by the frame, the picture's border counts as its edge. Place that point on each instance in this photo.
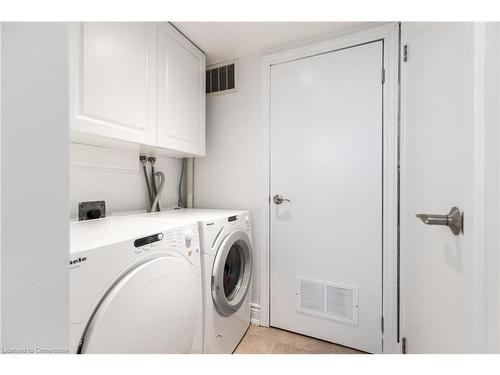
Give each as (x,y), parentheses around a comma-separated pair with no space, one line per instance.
(383,76)
(382,324)
(405,53)
(403,345)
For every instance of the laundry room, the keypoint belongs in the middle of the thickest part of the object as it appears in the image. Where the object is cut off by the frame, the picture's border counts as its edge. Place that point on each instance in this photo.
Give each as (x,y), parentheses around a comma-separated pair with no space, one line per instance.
(162,177)
(243,187)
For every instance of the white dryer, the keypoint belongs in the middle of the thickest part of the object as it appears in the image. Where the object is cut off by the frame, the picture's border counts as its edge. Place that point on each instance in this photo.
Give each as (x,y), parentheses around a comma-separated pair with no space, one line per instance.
(227,261)
(135,286)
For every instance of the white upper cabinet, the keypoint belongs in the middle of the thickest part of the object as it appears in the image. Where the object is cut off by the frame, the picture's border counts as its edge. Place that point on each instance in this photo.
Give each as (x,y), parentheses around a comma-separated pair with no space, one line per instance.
(181,93)
(141,83)
(113,80)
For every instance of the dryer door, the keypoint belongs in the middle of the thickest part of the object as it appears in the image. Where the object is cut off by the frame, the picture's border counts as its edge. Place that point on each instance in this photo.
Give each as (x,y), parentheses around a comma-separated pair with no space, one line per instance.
(153,308)
(231,273)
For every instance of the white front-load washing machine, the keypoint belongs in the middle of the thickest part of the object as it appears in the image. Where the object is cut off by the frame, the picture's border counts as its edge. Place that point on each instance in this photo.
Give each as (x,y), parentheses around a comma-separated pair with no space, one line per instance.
(227,261)
(135,286)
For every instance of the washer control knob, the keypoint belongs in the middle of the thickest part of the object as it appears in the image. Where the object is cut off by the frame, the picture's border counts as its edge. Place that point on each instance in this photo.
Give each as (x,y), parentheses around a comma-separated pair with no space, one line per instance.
(188,236)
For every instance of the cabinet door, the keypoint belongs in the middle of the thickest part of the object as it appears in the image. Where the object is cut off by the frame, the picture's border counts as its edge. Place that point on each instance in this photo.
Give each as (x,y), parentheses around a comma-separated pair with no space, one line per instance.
(113,80)
(181,93)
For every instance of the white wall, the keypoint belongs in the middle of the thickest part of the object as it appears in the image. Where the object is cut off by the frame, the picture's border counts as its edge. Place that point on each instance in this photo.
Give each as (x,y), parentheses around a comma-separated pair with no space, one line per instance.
(34,196)
(117,177)
(232,173)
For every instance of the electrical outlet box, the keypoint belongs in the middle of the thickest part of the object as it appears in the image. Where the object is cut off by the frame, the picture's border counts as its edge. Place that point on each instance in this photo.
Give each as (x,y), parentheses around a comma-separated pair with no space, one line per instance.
(91,210)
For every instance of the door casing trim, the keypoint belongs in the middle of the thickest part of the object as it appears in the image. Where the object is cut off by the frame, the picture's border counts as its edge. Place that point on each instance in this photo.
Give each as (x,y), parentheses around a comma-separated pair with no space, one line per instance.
(389,34)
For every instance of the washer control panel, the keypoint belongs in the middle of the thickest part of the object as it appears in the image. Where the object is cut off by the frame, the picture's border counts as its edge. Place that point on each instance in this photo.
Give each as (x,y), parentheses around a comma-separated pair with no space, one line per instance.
(148,240)
(240,222)
(185,240)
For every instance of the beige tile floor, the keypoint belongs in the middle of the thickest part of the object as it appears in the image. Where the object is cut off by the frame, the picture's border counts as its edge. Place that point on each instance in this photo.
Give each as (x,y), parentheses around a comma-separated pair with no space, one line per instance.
(263,340)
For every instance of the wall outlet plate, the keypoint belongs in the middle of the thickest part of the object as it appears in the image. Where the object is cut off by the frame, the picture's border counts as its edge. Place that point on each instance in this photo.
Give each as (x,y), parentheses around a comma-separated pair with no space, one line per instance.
(91,210)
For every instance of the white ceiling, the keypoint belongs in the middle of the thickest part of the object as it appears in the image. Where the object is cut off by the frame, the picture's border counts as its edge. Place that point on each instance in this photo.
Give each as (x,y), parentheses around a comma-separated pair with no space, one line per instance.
(226,40)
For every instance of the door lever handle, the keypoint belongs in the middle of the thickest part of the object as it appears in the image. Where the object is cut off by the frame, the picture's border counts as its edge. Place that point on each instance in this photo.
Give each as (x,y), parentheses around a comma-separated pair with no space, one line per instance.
(454,220)
(278,199)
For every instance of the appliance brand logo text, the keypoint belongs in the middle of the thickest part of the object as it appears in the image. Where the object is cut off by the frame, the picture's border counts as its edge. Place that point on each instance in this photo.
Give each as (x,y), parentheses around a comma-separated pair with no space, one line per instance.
(76,261)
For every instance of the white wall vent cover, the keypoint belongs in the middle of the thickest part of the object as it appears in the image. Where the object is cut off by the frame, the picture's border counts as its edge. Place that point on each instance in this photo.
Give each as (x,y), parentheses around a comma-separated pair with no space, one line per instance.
(222,78)
(328,300)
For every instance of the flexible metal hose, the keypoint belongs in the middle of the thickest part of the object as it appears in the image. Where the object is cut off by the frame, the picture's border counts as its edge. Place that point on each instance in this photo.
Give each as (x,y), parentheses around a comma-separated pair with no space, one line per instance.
(153,182)
(150,194)
(158,193)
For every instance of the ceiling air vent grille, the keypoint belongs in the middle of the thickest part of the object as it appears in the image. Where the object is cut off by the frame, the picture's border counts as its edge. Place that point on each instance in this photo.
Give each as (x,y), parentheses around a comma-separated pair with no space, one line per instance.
(221,79)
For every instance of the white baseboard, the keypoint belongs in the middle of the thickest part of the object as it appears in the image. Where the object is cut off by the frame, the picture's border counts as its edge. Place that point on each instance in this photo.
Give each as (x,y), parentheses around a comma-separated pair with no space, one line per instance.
(255,314)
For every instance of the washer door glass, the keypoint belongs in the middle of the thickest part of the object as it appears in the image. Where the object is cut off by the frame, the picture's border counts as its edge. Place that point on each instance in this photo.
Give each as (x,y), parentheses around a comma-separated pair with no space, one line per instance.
(232,272)
(153,308)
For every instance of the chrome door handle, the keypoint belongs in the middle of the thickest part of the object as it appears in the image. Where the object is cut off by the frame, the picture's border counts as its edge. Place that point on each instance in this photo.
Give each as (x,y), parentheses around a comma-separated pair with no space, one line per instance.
(454,220)
(278,199)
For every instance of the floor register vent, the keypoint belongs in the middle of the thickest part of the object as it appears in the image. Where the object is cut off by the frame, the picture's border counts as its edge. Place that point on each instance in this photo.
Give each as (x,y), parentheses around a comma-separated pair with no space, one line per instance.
(221,78)
(328,300)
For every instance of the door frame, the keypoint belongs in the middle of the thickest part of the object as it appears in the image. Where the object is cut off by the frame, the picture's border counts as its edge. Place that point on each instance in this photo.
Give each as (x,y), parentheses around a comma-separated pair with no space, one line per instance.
(389,34)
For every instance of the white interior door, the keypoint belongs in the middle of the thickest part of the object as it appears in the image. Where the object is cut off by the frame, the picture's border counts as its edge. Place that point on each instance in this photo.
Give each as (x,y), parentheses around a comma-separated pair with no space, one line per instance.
(438,301)
(326,157)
